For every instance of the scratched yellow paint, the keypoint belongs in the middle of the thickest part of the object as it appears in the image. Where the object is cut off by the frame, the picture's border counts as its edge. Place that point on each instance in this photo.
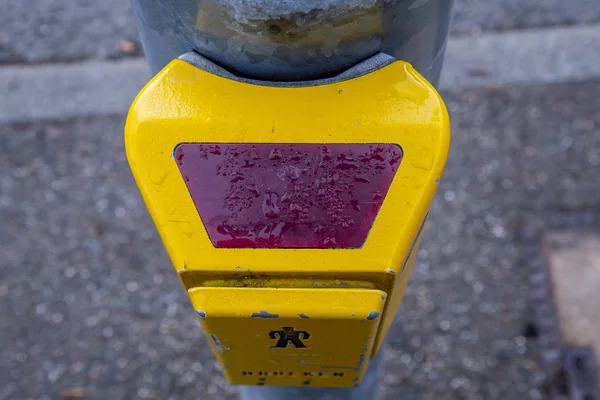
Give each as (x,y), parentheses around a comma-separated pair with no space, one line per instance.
(320,345)
(184,104)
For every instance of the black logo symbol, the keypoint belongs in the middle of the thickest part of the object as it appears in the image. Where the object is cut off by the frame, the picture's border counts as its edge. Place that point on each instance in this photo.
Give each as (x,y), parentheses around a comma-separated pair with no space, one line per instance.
(288,335)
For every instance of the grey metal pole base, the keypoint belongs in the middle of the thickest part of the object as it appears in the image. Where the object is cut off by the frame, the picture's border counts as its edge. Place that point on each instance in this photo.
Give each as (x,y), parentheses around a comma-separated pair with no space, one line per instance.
(367,390)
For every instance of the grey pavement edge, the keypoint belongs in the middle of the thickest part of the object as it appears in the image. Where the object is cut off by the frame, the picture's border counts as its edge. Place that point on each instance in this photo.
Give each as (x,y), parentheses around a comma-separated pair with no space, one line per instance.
(536,56)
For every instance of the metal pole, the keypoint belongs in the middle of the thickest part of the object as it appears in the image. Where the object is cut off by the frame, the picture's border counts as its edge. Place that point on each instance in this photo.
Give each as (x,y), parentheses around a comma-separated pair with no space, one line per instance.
(289,41)
(280,40)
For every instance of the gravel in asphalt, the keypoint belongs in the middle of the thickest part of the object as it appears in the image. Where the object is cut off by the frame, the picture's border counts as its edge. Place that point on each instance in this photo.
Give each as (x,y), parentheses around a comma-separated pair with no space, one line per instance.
(474,16)
(90,295)
(562,147)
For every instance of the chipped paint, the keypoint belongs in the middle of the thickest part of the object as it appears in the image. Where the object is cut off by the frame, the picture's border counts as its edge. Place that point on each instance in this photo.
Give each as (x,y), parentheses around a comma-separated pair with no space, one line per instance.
(390,271)
(372,315)
(248,279)
(361,360)
(254,350)
(201,314)
(264,314)
(303,316)
(217,343)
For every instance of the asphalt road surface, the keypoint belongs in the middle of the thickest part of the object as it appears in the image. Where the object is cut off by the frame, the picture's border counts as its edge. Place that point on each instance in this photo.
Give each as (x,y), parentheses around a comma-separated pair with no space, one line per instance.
(91,306)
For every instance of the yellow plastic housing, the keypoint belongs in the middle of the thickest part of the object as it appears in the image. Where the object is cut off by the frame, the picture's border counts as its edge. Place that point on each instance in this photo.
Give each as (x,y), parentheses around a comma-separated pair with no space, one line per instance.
(287,336)
(184,104)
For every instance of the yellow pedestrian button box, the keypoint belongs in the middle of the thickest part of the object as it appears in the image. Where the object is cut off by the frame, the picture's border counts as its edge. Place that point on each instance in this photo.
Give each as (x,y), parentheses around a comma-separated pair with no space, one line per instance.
(267,336)
(292,213)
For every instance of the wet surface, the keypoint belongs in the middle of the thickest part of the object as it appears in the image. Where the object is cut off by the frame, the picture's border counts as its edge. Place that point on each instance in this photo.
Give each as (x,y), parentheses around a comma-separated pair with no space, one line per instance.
(288,196)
